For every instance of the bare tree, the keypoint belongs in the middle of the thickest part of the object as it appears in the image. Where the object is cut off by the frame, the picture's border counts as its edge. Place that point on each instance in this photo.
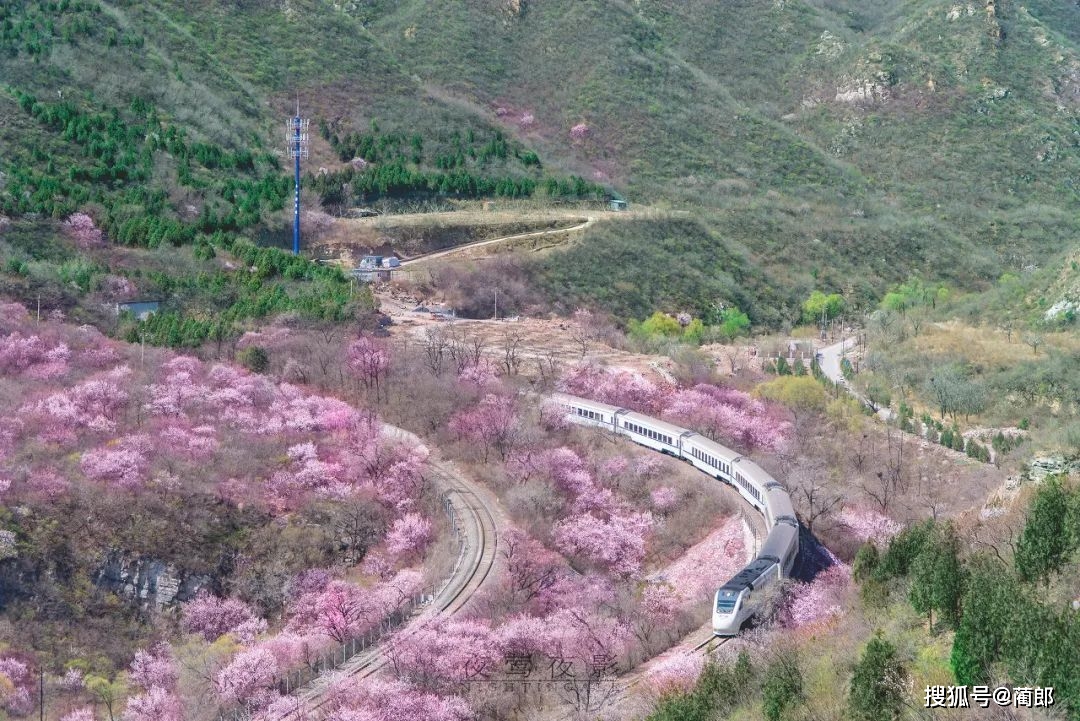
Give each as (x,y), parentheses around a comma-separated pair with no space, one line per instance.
(581,338)
(1034,340)
(435,348)
(547,365)
(512,341)
(815,499)
(880,490)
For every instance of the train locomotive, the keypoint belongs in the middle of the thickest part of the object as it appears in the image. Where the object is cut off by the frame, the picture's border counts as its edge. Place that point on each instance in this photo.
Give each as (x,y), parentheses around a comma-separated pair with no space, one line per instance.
(739,598)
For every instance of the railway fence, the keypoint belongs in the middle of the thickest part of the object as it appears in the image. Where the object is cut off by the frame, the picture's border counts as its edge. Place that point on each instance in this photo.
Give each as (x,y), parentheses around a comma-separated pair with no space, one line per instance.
(337,655)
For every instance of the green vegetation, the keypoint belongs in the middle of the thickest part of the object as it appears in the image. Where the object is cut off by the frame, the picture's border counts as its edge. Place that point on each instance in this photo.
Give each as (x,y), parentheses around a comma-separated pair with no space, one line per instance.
(1000,623)
(820,305)
(718,691)
(254,358)
(661,329)
(877,687)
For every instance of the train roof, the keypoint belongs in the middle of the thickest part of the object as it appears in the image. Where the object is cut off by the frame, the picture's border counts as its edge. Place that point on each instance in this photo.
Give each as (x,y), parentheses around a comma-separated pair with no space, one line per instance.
(750,573)
(753,472)
(779,502)
(584,403)
(779,540)
(650,422)
(710,446)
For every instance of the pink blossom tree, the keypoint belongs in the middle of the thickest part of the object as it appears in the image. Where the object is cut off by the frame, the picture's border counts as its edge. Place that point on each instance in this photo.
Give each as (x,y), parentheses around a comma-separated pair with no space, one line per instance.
(818,601)
(378,700)
(342,611)
(531,568)
(408,536)
(212,617)
(81,228)
(155,667)
(617,543)
(248,677)
(449,650)
(156,704)
(664,498)
(493,423)
(83,713)
(72,680)
(579,132)
(16,686)
(868,525)
(122,466)
(676,674)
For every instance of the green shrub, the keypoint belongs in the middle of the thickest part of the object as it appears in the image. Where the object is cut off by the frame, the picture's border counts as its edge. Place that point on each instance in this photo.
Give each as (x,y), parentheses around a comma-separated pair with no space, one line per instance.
(878,687)
(254,358)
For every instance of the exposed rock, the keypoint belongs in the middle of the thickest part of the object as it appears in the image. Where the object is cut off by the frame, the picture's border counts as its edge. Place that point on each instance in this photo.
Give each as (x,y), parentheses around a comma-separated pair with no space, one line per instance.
(148,581)
(1040,468)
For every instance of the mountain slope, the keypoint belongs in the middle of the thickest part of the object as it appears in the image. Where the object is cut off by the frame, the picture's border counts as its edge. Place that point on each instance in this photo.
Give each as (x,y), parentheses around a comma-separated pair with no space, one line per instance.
(831,143)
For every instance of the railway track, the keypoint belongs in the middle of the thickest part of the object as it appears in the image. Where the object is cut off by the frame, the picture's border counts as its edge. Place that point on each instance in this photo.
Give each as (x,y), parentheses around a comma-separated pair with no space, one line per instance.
(711,644)
(476,522)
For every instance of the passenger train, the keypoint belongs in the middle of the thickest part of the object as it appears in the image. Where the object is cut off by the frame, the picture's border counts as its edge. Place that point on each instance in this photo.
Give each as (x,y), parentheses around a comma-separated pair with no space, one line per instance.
(737,599)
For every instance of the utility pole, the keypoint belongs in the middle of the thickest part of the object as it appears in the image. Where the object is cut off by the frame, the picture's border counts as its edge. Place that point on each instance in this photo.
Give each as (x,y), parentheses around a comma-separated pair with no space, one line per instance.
(296,137)
(496,304)
(41,693)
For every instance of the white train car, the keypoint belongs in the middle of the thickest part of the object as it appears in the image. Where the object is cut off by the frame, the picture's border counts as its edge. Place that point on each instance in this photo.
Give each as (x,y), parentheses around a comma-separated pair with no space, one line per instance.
(649,432)
(739,598)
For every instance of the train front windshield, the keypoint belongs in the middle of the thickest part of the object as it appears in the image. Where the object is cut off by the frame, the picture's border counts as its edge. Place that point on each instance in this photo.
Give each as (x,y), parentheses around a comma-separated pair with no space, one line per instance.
(725,601)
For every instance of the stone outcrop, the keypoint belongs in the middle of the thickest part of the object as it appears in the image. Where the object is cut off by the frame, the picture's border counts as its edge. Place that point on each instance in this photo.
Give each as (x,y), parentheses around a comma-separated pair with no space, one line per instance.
(148,581)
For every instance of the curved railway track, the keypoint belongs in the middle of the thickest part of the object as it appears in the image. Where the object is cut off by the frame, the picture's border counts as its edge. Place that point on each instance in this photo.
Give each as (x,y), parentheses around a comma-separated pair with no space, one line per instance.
(476,522)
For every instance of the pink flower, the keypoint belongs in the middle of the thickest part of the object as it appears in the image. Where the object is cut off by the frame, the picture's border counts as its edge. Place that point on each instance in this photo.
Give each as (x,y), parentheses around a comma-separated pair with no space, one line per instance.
(868,525)
(72,680)
(16,683)
(250,672)
(155,668)
(409,535)
(212,617)
(83,713)
(818,601)
(678,673)
(708,564)
(378,700)
(157,704)
(617,543)
(80,227)
(664,498)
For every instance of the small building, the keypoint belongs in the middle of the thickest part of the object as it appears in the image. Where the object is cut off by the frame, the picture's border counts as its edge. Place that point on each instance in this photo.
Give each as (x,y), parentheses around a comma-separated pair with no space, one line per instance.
(618,204)
(375,268)
(371,274)
(141,309)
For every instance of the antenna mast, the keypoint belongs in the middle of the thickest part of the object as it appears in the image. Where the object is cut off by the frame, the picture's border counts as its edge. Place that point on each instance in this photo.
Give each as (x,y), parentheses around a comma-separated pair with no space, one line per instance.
(296,139)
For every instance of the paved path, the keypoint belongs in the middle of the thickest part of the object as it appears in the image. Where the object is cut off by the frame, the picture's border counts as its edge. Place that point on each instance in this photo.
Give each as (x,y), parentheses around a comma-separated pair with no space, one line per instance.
(830,366)
(491,241)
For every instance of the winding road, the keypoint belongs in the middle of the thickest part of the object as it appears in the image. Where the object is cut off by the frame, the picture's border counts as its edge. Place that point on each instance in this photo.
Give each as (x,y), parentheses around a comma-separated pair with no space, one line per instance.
(831,357)
(492,241)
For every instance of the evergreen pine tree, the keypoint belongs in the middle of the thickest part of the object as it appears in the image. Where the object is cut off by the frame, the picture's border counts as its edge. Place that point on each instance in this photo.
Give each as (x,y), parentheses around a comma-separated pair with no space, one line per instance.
(877,687)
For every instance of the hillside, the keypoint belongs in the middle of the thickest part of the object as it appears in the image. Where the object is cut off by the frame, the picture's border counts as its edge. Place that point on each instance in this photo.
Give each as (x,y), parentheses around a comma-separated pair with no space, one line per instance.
(863,142)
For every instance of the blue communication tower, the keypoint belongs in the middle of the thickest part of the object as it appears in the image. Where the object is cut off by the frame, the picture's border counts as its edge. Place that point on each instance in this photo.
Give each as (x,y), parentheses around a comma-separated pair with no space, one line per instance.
(297,142)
